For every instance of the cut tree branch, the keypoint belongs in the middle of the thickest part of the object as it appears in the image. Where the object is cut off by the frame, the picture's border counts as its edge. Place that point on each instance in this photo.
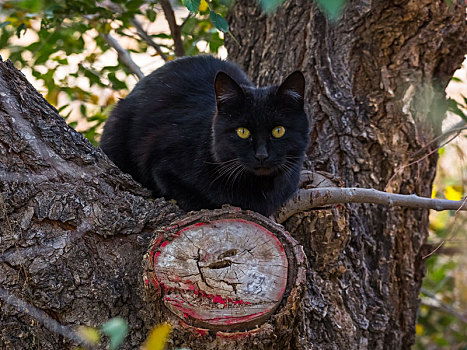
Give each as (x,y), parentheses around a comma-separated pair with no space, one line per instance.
(123,55)
(175,29)
(145,36)
(306,199)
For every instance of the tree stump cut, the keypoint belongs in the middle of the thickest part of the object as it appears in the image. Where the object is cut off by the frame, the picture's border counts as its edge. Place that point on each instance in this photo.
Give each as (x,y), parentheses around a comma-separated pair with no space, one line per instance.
(224,271)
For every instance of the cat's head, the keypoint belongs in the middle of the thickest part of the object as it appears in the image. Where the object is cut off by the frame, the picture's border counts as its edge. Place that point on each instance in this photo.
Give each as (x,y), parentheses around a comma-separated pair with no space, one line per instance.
(263,131)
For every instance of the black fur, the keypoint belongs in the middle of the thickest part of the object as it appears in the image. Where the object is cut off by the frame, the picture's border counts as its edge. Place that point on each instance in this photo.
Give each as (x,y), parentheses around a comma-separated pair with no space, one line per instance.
(176,134)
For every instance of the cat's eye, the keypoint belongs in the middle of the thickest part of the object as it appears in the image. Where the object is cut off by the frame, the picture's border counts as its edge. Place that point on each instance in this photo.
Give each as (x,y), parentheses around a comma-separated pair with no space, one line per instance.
(278,131)
(243,133)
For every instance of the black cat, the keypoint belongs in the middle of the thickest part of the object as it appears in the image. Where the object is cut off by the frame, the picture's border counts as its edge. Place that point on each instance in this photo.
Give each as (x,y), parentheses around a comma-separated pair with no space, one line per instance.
(198,131)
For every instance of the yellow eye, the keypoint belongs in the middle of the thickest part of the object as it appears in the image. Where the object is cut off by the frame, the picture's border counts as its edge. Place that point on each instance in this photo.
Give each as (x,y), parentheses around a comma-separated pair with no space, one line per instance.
(278,131)
(243,133)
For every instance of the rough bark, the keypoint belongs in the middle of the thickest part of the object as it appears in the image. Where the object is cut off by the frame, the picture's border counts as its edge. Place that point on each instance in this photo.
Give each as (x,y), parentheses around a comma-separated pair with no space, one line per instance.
(73,228)
(375,96)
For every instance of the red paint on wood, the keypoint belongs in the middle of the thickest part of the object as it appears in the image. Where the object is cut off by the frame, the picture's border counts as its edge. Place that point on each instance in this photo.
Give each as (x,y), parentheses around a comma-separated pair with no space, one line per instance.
(185,287)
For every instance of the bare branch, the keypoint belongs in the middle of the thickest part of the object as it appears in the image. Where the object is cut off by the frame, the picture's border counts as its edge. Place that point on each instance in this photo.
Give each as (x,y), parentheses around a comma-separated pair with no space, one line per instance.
(317,197)
(439,304)
(175,29)
(123,55)
(40,316)
(145,36)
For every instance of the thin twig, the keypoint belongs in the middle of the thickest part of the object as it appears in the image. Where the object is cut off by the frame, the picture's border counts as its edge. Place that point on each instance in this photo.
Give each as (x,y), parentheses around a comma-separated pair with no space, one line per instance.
(39,315)
(450,231)
(443,306)
(123,55)
(186,19)
(317,197)
(457,129)
(175,29)
(401,168)
(145,36)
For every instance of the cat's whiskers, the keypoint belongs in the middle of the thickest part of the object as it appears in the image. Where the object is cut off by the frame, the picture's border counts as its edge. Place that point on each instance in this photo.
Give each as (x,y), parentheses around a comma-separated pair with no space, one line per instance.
(238,173)
(288,167)
(227,167)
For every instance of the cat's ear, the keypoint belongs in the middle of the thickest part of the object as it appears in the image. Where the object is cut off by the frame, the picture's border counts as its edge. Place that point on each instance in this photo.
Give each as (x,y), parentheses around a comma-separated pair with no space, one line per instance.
(227,90)
(293,87)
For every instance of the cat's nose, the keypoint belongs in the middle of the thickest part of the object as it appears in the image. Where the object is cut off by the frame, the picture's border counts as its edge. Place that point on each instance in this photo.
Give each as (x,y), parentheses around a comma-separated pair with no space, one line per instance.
(261,155)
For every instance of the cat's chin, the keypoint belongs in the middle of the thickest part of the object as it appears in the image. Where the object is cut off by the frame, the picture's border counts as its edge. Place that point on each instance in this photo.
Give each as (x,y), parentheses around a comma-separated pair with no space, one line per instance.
(264,171)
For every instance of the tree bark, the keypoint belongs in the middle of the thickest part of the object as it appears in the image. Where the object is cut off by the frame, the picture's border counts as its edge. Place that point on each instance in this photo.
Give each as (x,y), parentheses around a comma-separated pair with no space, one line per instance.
(74,229)
(375,97)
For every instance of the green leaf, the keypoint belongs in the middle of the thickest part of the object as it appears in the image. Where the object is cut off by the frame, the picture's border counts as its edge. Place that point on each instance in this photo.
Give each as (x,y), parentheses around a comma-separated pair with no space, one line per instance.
(116,329)
(151,15)
(20,29)
(456,79)
(453,106)
(270,6)
(116,83)
(219,22)
(192,5)
(331,8)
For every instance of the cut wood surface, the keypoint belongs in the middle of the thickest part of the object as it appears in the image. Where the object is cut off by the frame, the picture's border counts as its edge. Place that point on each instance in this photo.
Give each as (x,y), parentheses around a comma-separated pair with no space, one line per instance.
(222,273)
(225,271)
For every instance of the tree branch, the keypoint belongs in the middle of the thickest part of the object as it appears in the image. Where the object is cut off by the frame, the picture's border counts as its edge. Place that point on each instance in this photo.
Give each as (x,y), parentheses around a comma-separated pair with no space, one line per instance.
(41,316)
(123,55)
(145,36)
(175,29)
(438,304)
(306,199)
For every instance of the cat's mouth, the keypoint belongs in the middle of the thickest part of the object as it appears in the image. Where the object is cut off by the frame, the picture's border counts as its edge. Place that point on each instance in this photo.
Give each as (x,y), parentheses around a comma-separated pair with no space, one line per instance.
(263,171)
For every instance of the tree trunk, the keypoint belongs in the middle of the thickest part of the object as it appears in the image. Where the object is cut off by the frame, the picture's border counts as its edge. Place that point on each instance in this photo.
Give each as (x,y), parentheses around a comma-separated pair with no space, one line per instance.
(375,97)
(75,230)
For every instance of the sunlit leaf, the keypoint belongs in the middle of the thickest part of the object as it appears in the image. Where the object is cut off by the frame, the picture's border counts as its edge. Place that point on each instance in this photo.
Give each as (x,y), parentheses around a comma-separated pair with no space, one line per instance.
(203,6)
(158,337)
(453,193)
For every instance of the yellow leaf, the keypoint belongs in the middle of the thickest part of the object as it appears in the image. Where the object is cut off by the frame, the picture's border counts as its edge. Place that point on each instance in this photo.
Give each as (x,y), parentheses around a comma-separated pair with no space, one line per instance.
(94,99)
(453,193)
(419,329)
(439,220)
(91,335)
(434,191)
(203,6)
(52,97)
(158,337)
(110,100)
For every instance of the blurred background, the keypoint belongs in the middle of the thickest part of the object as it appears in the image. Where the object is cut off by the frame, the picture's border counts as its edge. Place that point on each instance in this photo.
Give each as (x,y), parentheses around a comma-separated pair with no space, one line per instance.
(83,58)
